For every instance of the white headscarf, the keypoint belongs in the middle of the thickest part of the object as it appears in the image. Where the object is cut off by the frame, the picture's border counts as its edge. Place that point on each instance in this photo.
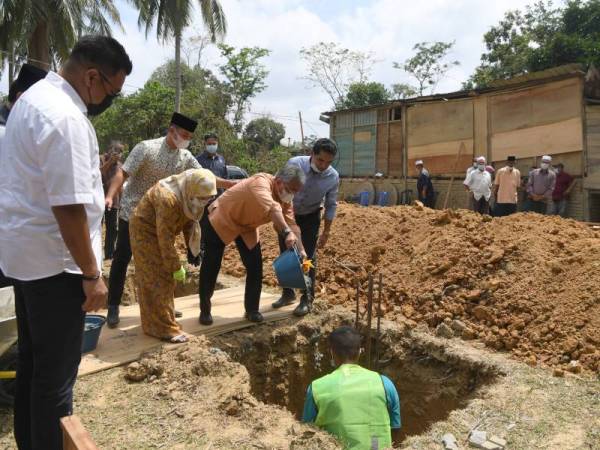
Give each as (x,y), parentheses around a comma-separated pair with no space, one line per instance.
(189,187)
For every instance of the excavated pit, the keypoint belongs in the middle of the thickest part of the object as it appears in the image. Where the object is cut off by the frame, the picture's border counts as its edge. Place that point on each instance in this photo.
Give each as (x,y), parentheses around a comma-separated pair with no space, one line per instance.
(282,359)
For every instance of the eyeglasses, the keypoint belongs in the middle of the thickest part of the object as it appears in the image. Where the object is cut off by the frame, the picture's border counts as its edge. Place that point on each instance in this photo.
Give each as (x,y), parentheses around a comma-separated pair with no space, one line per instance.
(105,78)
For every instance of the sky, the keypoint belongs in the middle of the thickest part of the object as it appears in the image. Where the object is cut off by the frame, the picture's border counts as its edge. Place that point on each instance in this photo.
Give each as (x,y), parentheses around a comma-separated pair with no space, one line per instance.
(388,28)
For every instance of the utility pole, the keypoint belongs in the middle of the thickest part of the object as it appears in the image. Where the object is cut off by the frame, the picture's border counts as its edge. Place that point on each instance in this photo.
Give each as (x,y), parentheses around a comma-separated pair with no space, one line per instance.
(301,129)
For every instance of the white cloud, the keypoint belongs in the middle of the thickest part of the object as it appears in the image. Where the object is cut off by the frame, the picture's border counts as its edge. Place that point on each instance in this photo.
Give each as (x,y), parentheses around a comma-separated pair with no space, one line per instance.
(387,27)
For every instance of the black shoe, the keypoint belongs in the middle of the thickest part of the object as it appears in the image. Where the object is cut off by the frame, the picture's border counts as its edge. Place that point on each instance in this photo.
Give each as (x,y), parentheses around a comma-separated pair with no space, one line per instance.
(254,316)
(283,301)
(206,319)
(112,320)
(303,308)
(178,314)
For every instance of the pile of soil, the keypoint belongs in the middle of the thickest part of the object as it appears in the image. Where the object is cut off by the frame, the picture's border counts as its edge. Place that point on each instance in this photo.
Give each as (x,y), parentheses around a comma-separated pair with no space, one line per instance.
(527,283)
(213,395)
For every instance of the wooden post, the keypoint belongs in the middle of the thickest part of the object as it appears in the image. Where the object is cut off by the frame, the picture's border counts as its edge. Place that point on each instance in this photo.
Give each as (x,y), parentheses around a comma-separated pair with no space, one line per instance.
(369,320)
(75,436)
(301,129)
(460,150)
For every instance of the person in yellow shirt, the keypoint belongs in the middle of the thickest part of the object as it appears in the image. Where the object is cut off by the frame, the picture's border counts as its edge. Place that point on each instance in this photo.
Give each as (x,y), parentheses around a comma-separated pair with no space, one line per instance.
(506,183)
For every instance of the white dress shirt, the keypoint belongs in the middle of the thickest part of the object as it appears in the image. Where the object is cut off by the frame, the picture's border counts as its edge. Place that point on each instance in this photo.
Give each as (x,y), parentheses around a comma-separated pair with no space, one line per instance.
(49,158)
(479,183)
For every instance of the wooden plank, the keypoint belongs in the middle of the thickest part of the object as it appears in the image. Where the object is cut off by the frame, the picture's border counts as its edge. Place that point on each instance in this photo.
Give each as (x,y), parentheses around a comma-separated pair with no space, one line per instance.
(536,106)
(124,344)
(381,160)
(480,126)
(75,436)
(560,137)
(430,123)
(439,158)
(396,149)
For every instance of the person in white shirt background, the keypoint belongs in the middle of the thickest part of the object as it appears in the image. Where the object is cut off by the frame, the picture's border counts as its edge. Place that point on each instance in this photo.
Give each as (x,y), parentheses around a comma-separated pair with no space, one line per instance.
(479,184)
(51,206)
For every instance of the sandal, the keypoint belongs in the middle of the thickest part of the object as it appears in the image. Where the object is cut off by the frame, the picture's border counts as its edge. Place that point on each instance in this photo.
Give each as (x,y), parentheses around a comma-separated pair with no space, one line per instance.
(179,339)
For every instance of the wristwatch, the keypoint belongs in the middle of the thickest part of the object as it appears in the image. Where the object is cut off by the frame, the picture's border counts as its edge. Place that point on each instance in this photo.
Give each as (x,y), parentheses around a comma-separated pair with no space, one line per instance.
(92,278)
(284,233)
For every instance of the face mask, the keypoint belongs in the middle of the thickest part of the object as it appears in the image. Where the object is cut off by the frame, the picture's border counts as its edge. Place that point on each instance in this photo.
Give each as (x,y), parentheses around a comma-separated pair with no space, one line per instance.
(481,167)
(95,109)
(212,148)
(510,168)
(197,205)
(545,166)
(286,196)
(314,167)
(180,143)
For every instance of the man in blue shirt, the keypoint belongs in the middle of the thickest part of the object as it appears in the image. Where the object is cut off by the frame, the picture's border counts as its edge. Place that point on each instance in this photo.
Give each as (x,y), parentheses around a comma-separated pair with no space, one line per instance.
(321,187)
(333,402)
(211,160)
(424,185)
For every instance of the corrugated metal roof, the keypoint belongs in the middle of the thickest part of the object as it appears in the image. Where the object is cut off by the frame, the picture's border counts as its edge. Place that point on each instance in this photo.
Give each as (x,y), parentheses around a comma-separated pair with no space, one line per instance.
(498,85)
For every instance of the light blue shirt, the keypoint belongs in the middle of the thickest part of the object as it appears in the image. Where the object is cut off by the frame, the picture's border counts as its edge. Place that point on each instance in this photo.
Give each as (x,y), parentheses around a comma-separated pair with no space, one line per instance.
(319,187)
(392,398)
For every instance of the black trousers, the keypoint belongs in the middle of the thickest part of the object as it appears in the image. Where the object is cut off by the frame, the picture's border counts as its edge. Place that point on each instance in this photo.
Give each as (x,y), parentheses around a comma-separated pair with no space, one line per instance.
(211,265)
(50,323)
(5,281)
(309,228)
(481,206)
(505,209)
(110,221)
(118,269)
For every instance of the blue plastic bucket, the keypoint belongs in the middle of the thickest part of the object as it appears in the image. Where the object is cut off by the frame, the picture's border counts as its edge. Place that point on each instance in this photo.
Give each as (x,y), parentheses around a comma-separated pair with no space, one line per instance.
(91,332)
(288,269)
(382,200)
(364,199)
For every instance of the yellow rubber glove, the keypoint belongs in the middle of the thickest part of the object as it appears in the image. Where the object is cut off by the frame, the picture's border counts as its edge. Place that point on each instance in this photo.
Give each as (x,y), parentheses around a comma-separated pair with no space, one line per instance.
(307,265)
(179,275)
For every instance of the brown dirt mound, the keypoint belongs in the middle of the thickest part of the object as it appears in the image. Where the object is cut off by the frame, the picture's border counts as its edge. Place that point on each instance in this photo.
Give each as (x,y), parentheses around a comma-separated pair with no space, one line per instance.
(527,283)
(212,394)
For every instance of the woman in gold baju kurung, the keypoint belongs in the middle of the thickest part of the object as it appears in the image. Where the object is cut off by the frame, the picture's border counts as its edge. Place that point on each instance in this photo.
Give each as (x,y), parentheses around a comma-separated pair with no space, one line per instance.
(172,205)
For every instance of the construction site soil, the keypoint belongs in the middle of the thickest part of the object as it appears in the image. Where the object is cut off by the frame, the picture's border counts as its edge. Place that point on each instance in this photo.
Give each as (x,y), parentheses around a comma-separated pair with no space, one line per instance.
(527,284)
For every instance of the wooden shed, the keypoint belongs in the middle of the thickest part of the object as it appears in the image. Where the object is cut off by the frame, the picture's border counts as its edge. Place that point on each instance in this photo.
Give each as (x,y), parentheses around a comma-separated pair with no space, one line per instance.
(555,112)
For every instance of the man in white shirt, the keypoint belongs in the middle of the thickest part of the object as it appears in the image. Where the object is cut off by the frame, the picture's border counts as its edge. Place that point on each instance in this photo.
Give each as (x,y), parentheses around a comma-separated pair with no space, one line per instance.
(51,206)
(479,184)
(28,76)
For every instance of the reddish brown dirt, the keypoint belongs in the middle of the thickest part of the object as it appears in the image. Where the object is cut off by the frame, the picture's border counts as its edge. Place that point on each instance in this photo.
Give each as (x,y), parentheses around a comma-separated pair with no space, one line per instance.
(528,284)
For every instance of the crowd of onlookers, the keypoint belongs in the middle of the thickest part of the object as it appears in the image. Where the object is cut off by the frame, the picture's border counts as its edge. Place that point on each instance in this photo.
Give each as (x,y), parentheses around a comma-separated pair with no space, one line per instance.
(546,189)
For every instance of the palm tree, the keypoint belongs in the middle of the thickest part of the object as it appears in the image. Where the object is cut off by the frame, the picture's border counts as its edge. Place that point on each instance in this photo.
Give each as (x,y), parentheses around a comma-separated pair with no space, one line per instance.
(172,17)
(51,27)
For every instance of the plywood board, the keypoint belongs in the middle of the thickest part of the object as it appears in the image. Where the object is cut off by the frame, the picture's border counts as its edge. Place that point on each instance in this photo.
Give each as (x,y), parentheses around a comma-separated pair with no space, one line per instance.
(364,150)
(440,158)
(540,105)
(381,159)
(430,123)
(480,126)
(124,344)
(561,137)
(396,150)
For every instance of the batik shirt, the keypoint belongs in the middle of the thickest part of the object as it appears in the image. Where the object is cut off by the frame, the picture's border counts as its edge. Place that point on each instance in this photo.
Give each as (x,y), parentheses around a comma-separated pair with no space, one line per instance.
(149,162)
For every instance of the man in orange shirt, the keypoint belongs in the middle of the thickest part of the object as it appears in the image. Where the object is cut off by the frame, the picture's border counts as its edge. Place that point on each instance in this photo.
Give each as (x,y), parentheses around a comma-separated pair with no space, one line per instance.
(507,180)
(236,216)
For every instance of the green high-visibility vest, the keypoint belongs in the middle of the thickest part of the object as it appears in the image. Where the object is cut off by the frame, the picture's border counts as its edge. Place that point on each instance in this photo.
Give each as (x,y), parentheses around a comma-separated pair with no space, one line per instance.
(351,405)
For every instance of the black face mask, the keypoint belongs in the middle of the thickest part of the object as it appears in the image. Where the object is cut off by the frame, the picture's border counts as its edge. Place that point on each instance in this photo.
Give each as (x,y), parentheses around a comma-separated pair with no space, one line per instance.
(95,109)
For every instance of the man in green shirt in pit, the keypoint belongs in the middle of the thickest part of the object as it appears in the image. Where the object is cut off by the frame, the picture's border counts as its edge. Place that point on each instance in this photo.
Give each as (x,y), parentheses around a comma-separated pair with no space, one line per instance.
(360,407)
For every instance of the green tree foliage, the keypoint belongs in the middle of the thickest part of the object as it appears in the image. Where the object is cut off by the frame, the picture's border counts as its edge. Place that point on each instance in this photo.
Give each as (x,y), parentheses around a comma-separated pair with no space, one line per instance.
(403,90)
(263,134)
(245,74)
(511,44)
(365,94)
(334,68)
(428,65)
(49,28)
(172,17)
(538,38)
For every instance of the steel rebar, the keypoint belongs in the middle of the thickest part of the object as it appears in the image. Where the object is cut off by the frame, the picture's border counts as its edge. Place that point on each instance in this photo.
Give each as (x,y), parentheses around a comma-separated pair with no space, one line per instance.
(369,319)
(378,335)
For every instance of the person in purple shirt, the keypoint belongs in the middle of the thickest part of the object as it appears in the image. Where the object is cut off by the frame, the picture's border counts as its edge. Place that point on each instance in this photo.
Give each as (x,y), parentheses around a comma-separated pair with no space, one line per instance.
(562,189)
(321,188)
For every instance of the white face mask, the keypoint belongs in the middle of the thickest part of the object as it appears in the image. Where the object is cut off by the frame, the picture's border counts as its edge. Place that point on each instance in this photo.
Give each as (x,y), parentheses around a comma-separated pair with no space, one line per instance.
(481,167)
(180,143)
(211,148)
(286,196)
(197,205)
(314,167)
(545,166)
